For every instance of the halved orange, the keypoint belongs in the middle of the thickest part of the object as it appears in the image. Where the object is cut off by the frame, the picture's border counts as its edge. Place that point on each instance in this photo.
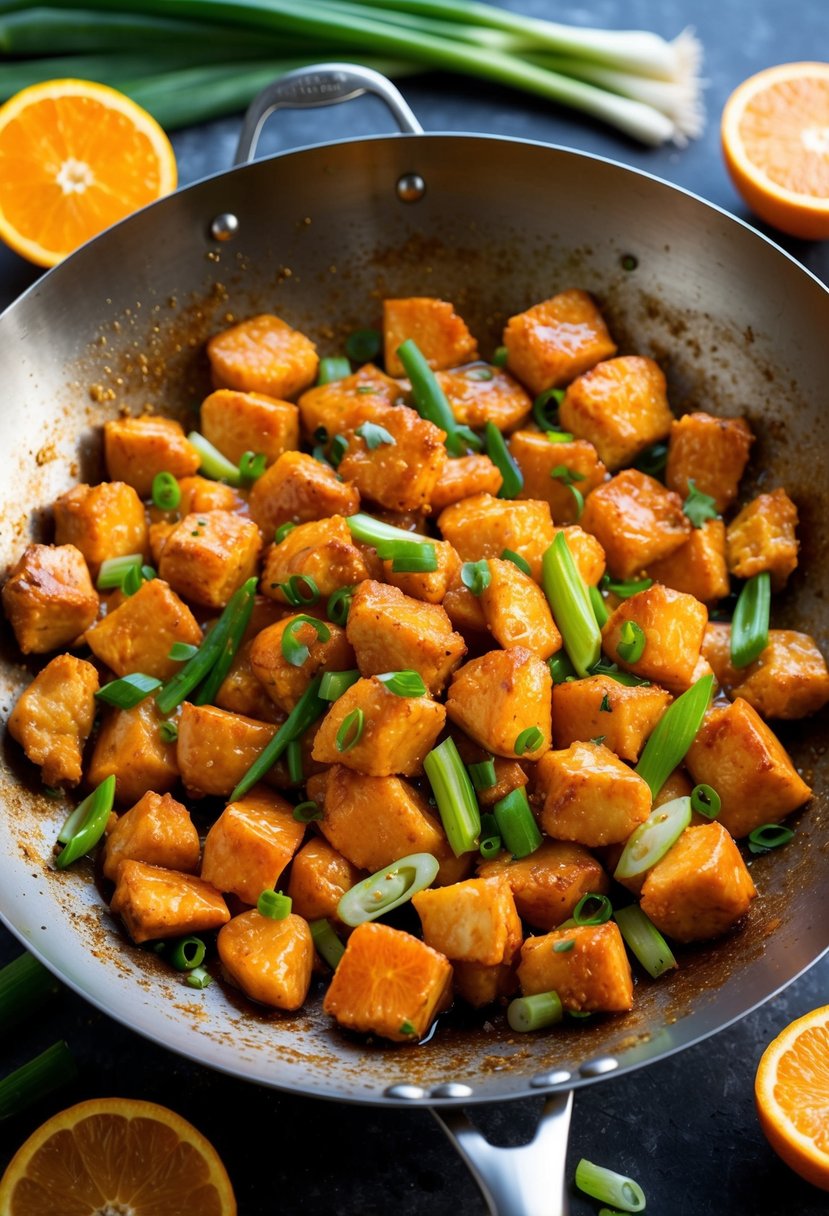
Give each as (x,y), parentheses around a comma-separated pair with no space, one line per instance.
(116,1155)
(75,156)
(791,1091)
(775,138)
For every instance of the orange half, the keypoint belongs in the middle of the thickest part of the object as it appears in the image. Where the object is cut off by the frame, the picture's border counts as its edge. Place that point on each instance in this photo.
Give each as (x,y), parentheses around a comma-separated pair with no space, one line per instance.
(75,157)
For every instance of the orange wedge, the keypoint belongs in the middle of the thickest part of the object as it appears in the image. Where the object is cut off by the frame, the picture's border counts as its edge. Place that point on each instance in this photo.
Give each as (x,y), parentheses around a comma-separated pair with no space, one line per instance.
(791,1090)
(775,138)
(75,157)
(116,1155)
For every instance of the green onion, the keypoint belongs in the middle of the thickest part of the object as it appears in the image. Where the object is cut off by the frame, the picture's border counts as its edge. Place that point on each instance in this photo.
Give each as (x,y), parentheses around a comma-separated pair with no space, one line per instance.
(698,507)
(536,1012)
(274,905)
(25,985)
(476,576)
(282,531)
(675,732)
(429,398)
(604,705)
(36,1079)
(644,940)
(132,580)
(706,801)
(585,914)
(407,1027)
(252,465)
(509,555)
(560,437)
(469,438)
(516,824)
(609,1187)
(308,708)
(387,889)
(490,845)
(768,836)
(632,642)
(214,649)
(605,668)
(326,941)
(599,607)
(750,622)
(455,797)
(168,730)
(351,731)
(545,409)
(187,953)
(623,589)
(338,605)
(129,691)
(529,740)
(337,449)
(568,477)
(235,632)
(373,435)
(499,359)
(651,840)
(570,602)
(483,774)
(564,947)
(198,978)
(166,492)
(294,651)
(364,345)
(293,758)
(403,683)
(653,460)
(300,590)
(87,823)
(371,531)
(499,454)
(335,683)
(307,812)
(333,368)
(114,570)
(561,669)
(418,559)
(180,652)
(213,463)
(479,372)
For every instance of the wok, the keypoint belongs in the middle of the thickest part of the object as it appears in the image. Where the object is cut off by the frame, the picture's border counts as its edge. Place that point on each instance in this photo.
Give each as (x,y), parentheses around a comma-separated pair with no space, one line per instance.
(318,236)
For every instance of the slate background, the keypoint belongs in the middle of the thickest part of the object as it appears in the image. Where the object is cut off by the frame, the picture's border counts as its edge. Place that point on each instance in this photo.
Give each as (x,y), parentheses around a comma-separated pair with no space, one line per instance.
(685,1127)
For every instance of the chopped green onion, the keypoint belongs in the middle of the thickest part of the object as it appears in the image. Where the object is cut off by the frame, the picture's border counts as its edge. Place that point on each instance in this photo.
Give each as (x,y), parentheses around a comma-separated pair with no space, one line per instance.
(318,453)
(536,1012)
(501,457)
(604,705)
(570,602)
(479,372)
(407,1027)
(455,797)
(653,460)
(252,465)
(599,607)
(768,836)
(603,910)
(651,840)
(609,1187)
(568,478)
(545,409)
(307,812)
(335,683)
(300,590)
(213,463)
(274,905)
(282,531)
(338,449)
(308,708)
(364,345)
(623,589)
(335,367)
(180,652)
(387,889)
(605,668)
(499,359)
(483,774)
(351,731)
(199,978)
(373,435)
(326,941)
(706,801)
(166,492)
(750,622)
(371,531)
(469,438)
(294,651)
(36,1079)
(293,758)
(403,683)
(87,824)
(559,437)
(674,733)
(509,555)
(698,507)
(490,845)
(132,580)
(420,559)
(429,398)
(529,740)
(321,434)
(114,570)
(235,632)
(187,953)
(476,576)
(564,947)
(561,669)
(168,730)
(598,740)
(516,824)
(644,940)
(25,985)
(129,691)
(632,642)
(339,603)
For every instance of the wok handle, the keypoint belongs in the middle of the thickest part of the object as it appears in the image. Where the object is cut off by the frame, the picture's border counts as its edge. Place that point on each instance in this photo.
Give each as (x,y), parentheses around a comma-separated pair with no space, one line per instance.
(524,1181)
(324,84)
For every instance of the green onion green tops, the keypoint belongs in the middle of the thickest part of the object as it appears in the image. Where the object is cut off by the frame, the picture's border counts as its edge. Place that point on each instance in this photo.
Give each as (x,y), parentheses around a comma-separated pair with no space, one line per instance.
(605,668)
(274,905)
(768,836)
(609,1187)
(599,607)
(572,609)
(536,1012)
(335,367)
(86,825)
(180,652)
(564,947)
(545,409)
(420,559)
(653,460)
(213,463)
(300,590)
(407,551)
(750,622)
(373,435)
(294,651)
(252,465)
(674,733)
(351,731)
(115,570)
(307,812)
(516,824)
(165,493)
(509,555)
(293,759)
(326,941)
(706,801)
(187,953)
(644,940)
(308,708)
(568,478)
(403,683)
(455,797)
(499,358)
(561,668)
(338,605)
(387,889)
(592,909)
(282,531)
(699,507)
(429,398)
(623,589)
(651,840)
(199,978)
(499,454)
(31,1082)
(529,740)
(335,683)
(129,691)
(476,576)
(632,642)
(25,985)
(483,774)
(490,845)
(168,730)
(364,345)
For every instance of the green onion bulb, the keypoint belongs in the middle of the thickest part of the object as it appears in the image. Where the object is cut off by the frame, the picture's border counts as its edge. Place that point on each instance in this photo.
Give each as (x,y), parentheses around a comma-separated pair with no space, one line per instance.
(387,889)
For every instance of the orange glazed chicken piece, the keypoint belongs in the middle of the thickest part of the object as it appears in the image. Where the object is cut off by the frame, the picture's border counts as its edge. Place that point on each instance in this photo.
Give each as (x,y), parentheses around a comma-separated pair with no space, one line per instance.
(555,341)
(711,452)
(271,960)
(136,449)
(636,521)
(53,718)
(138,634)
(157,830)
(621,406)
(155,903)
(297,489)
(102,521)
(49,598)
(250,844)
(763,537)
(206,557)
(591,976)
(263,355)
(440,334)
(236,423)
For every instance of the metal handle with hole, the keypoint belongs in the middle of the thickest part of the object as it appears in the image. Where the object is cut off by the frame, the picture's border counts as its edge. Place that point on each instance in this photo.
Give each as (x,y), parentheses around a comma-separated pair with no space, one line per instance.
(525,1181)
(324,84)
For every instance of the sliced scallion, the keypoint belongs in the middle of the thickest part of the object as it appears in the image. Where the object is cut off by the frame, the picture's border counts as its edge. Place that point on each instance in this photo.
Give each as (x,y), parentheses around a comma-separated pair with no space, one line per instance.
(750,622)
(403,683)
(199,978)
(294,651)
(605,668)
(364,345)
(529,740)
(767,837)
(307,812)
(516,824)
(496,449)
(429,398)
(476,576)
(327,943)
(129,691)
(706,801)
(536,1012)
(180,652)
(561,669)
(86,825)
(651,840)
(282,531)
(609,1187)
(114,570)
(455,797)
(186,954)
(351,731)
(339,602)
(300,590)
(632,642)
(212,463)
(252,466)
(623,589)
(592,909)
(599,607)
(674,733)
(569,477)
(36,1079)
(418,559)
(371,531)
(293,759)
(335,367)
(509,555)
(644,940)
(168,730)
(499,358)
(274,905)
(307,710)
(166,492)
(490,845)
(335,683)
(483,774)
(386,890)
(546,407)
(337,449)
(565,946)
(560,437)
(570,602)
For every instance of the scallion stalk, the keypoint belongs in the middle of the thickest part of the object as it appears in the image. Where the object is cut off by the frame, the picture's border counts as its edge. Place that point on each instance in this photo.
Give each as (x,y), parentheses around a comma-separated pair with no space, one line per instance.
(512,479)
(750,622)
(334,368)
(308,708)
(293,759)
(483,774)
(47,1072)
(186,954)
(166,492)
(644,940)
(674,733)
(455,797)
(609,1187)
(592,909)
(25,985)
(114,570)
(516,824)
(213,463)
(326,941)
(429,398)
(570,602)
(536,1012)
(295,652)
(87,823)
(129,691)
(403,683)
(335,683)
(651,840)
(386,890)
(274,905)
(599,607)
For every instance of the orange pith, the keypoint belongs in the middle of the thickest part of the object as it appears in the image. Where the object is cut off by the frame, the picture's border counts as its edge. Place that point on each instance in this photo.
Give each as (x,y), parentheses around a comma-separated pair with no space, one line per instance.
(116,1155)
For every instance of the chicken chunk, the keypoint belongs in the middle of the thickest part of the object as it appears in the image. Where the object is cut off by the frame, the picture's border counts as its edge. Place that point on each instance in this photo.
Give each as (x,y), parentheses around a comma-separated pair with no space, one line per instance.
(483,526)
(250,844)
(399,475)
(591,976)
(237,422)
(698,566)
(129,745)
(464,476)
(156,903)
(242,693)
(590,796)
(343,404)
(298,489)
(763,537)
(215,749)
(430,587)
(555,341)
(478,394)
(636,521)
(788,680)
(207,557)
(136,449)
(499,696)
(480,985)
(320,876)
(200,494)
(711,452)
(322,551)
(284,681)
(547,885)
(138,634)
(397,732)
(263,355)
(620,406)
(49,598)
(673,624)
(440,334)
(272,961)
(53,718)
(517,612)
(549,469)
(102,521)
(473,921)
(158,830)
(602,708)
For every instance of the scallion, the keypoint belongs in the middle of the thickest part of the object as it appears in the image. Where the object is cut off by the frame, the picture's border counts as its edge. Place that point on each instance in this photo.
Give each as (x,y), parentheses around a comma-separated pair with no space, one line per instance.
(512,482)
(36,1079)
(212,463)
(294,651)
(335,683)
(282,531)
(87,824)
(536,1012)
(609,1187)
(364,345)
(706,801)
(114,570)
(632,642)
(371,531)
(592,909)
(674,733)
(750,622)
(293,759)
(307,812)
(129,691)
(499,358)
(529,740)
(455,797)
(599,607)
(546,407)
(186,954)
(490,845)
(403,683)
(327,943)
(335,367)
(561,669)
(644,940)
(199,978)
(307,710)
(300,590)
(373,435)
(651,840)
(483,775)
(509,555)
(168,730)
(559,436)
(337,449)
(623,589)
(570,602)
(252,466)
(516,824)
(339,602)
(180,652)
(166,492)
(698,507)
(25,985)
(569,477)
(351,731)
(386,890)
(420,559)
(768,836)
(476,576)
(605,668)
(274,905)
(429,398)
(564,947)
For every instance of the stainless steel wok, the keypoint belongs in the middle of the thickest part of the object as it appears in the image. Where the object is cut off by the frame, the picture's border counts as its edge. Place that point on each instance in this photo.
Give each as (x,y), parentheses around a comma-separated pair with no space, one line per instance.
(319,236)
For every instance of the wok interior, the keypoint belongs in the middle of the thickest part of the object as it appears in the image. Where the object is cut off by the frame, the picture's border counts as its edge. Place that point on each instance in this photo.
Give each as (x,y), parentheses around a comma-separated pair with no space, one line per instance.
(322,238)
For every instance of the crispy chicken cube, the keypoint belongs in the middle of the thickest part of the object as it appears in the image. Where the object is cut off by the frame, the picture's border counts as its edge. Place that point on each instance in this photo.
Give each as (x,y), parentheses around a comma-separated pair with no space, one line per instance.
(556,340)
(586,552)
(478,394)
(237,422)
(129,745)
(200,494)
(602,708)
(388,983)
(700,888)
(158,830)
(592,976)
(154,902)
(621,406)
(499,696)
(283,681)
(711,452)
(53,718)
(483,526)
(272,961)
(636,521)
(102,521)
(463,477)
(473,921)
(343,404)
(547,885)
(391,631)
(215,748)
(744,761)
(49,598)
(788,680)
(138,634)
(698,566)
(545,467)
(590,796)
(517,612)
(263,355)
(322,550)
(136,449)
(763,537)
(400,475)
(441,335)
(480,985)
(250,844)
(320,876)
(298,489)
(207,557)
(673,624)
(430,587)
(397,731)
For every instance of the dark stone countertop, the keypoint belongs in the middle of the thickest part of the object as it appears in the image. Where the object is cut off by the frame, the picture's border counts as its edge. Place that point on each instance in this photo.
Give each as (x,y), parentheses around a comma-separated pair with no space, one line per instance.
(685,1127)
